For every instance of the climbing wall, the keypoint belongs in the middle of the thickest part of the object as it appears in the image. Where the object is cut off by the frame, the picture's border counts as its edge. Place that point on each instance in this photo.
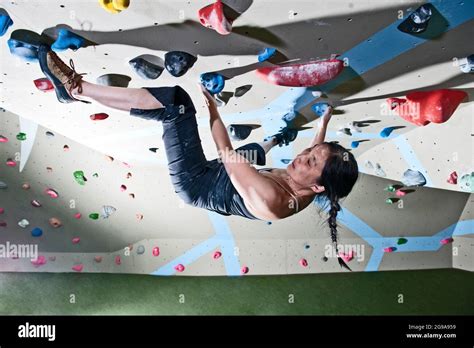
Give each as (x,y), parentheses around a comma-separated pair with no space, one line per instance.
(87,187)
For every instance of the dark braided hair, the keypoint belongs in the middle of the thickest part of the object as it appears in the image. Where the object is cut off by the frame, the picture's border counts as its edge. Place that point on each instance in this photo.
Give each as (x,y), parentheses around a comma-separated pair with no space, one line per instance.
(339,175)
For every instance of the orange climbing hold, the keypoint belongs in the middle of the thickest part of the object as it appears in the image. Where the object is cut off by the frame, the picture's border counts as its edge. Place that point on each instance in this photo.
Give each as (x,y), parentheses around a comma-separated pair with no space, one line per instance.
(421,108)
(213,17)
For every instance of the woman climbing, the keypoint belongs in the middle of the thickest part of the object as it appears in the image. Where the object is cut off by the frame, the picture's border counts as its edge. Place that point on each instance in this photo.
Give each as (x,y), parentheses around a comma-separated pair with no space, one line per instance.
(228,185)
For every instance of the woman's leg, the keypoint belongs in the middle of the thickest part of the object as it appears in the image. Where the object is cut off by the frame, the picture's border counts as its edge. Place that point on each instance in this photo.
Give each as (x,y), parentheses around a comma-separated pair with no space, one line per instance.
(118,97)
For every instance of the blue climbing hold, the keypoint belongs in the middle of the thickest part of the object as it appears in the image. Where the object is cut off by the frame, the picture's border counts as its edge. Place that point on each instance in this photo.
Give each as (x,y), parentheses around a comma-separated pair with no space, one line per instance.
(285,160)
(385,133)
(413,178)
(266,53)
(178,63)
(23,50)
(418,20)
(36,232)
(5,23)
(320,108)
(355,144)
(67,40)
(213,82)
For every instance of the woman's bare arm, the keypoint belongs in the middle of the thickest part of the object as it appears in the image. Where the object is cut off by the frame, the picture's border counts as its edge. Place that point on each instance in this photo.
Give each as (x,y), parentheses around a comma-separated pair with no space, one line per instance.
(323,123)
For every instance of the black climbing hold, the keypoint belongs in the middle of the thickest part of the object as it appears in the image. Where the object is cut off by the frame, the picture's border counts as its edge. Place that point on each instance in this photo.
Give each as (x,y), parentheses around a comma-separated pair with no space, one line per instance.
(240,91)
(153,149)
(178,63)
(147,66)
(418,20)
(240,131)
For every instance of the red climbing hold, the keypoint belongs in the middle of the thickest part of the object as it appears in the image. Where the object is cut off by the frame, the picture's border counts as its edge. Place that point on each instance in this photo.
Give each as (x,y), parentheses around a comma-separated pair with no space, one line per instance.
(446,241)
(2,210)
(421,108)
(179,268)
(308,74)
(304,263)
(217,255)
(123,188)
(98,259)
(52,193)
(347,257)
(156,251)
(244,270)
(99,117)
(453,178)
(389,249)
(44,84)
(76,240)
(77,215)
(40,261)
(78,268)
(212,16)
(118,260)
(11,163)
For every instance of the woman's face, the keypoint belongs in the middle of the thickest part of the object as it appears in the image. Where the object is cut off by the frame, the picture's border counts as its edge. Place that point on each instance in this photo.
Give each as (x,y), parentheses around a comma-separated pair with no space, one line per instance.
(307,167)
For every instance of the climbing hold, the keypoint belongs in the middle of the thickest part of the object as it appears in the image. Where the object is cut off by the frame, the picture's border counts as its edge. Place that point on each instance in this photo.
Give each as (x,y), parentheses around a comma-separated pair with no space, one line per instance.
(179,268)
(25,186)
(391,200)
(49,134)
(355,144)
(2,210)
(76,240)
(320,108)
(402,241)
(5,23)
(129,175)
(77,215)
(217,255)
(49,169)
(99,117)
(223,97)
(3,185)
(368,164)
(21,136)
(240,131)
(115,80)
(121,4)
(347,257)
(98,259)
(131,195)
(140,250)
(94,216)
(344,131)
(11,163)
(107,211)
(44,84)
(67,40)
(52,193)
(400,193)
(390,188)
(118,260)
(79,177)
(3,139)
(178,63)
(446,240)
(35,203)
(3,224)
(126,164)
(95,175)
(467,182)
(240,91)
(212,16)
(78,268)
(285,160)
(244,270)
(303,263)
(413,178)
(36,232)
(389,249)
(417,21)
(421,108)
(114,6)
(156,251)
(213,82)
(23,223)
(453,178)
(269,222)
(66,148)
(153,149)
(23,50)
(139,217)
(324,259)
(354,127)
(55,222)
(147,66)
(266,53)
(467,64)
(40,261)
(123,188)
(308,74)
(385,133)
(109,158)
(379,171)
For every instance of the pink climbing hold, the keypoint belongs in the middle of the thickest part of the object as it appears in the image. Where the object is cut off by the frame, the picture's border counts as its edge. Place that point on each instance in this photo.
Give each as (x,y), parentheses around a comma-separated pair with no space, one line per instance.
(217,255)
(421,108)
(312,73)
(35,203)
(43,84)
(453,178)
(40,261)
(77,215)
(98,259)
(400,193)
(99,117)
(78,268)
(123,188)
(389,249)
(446,241)
(213,17)
(2,210)
(304,263)
(3,139)
(244,270)
(11,163)
(52,193)
(156,251)
(76,240)
(347,257)
(179,268)
(118,260)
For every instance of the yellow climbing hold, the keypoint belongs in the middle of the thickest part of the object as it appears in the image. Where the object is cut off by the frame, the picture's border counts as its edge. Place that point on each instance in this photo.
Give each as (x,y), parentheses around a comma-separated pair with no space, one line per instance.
(114,6)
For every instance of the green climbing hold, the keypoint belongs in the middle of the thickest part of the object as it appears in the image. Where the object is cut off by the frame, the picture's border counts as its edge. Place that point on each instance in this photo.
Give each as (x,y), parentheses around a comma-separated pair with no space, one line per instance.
(391,200)
(390,188)
(21,136)
(80,178)
(402,241)
(95,175)
(94,216)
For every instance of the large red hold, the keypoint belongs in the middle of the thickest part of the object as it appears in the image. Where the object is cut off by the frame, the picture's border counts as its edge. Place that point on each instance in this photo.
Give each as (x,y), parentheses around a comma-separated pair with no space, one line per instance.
(308,74)
(421,108)
(212,16)
(43,84)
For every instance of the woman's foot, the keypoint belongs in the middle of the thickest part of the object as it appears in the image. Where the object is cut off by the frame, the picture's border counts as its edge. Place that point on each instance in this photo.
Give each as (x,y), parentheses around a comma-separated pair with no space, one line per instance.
(64,78)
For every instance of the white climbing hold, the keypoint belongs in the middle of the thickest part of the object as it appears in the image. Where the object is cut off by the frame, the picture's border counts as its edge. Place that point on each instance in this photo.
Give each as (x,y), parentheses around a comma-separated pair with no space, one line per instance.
(368,165)
(379,171)
(107,211)
(23,223)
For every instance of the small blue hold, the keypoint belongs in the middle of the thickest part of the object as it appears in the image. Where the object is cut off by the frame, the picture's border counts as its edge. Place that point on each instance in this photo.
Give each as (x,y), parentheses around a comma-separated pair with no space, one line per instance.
(355,144)
(37,232)
(285,160)
(213,82)
(269,222)
(23,50)
(5,23)
(320,108)
(385,133)
(266,53)
(67,39)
